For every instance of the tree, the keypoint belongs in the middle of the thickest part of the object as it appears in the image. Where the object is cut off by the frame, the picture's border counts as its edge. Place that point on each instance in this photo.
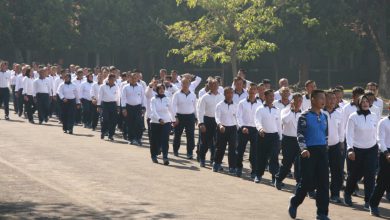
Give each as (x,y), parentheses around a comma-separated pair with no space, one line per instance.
(371,19)
(230,31)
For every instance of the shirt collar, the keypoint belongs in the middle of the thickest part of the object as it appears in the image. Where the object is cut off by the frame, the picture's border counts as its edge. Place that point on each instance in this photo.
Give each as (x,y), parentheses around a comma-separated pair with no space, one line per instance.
(228,103)
(247,99)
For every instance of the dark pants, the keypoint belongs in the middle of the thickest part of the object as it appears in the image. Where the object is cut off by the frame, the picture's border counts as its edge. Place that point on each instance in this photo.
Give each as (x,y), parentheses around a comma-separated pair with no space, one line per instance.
(364,165)
(59,107)
(267,149)
(68,114)
(208,138)
(134,122)
(315,175)
(87,106)
(228,137)
(94,116)
(149,130)
(30,107)
(160,138)
(382,181)
(20,101)
(336,172)
(4,99)
(185,122)
(78,115)
(242,142)
(43,104)
(14,100)
(109,118)
(290,152)
(53,107)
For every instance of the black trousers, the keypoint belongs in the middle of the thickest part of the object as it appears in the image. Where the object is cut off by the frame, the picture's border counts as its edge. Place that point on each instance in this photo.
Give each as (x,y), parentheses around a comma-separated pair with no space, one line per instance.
(336,173)
(208,138)
(149,130)
(78,115)
(382,181)
(364,165)
(134,122)
(242,142)
(30,107)
(228,137)
(53,107)
(94,116)
(87,116)
(267,150)
(43,105)
(109,118)
(160,139)
(185,122)
(315,175)
(290,152)
(14,100)
(4,99)
(59,107)
(68,114)
(20,101)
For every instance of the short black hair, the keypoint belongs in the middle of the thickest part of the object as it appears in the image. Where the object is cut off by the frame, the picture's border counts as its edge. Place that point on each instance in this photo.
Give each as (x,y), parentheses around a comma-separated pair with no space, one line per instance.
(266,81)
(268,91)
(317,92)
(357,91)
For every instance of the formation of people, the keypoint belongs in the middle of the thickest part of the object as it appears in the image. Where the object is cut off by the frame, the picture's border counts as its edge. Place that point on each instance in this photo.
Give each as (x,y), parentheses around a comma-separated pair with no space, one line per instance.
(317,131)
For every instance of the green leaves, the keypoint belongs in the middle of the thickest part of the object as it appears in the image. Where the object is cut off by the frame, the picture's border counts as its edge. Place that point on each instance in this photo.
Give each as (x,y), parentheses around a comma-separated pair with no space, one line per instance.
(227,28)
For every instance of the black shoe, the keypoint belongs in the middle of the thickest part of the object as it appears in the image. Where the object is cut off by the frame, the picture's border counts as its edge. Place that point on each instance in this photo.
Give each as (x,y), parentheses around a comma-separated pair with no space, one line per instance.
(347,200)
(176,154)
(32,122)
(335,199)
(154,160)
(102,136)
(238,172)
(278,185)
(366,206)
(322,217)
(202,163)
(40,122)
(190,157)
(93,129)
(111,138)
(292,210)
(6,117)
(312,195)
(70,131)
(374,211)
(166,162)
(46,120)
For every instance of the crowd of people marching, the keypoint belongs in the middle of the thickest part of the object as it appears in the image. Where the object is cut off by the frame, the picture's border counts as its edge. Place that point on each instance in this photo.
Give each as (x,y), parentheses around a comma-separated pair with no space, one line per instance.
(316,131)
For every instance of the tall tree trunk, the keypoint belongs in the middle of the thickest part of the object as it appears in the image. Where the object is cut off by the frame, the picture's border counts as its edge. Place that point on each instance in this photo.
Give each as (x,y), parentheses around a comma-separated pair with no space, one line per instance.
(384,77)
(304,66)
(97,59)
(234,60)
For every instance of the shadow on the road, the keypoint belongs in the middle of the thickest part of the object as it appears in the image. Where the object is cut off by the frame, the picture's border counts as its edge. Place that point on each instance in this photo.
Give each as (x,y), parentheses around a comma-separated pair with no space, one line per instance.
(15,120)
(32,210)
(83,135)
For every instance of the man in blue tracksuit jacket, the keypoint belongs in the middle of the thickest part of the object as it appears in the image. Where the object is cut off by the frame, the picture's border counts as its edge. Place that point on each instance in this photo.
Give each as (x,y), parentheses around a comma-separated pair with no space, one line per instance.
(312,134)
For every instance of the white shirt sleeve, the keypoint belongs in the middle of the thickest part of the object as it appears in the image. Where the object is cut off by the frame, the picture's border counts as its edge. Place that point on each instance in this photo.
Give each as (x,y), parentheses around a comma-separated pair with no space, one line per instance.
(350,133)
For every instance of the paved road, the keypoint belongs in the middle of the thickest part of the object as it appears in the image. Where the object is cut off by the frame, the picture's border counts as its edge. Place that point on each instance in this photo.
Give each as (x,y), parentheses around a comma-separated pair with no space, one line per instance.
(47,174)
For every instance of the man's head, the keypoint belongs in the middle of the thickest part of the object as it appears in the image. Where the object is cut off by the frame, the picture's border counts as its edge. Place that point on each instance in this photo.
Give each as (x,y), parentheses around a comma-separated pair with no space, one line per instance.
(266,83)
(111,79)
(331,100)
(228,92)
(318,99)
(357,91)
(185,83)
(373,87)
(252,90)
(310,85)
(238,83)
(241,73)
(269,96)
(283,82)
(371,97)
(285,93)
(297,100)
(133,78)
(163,72)
(213,86)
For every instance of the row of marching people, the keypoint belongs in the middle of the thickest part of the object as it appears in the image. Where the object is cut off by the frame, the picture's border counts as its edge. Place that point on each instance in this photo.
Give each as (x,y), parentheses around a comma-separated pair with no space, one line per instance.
(317,131)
